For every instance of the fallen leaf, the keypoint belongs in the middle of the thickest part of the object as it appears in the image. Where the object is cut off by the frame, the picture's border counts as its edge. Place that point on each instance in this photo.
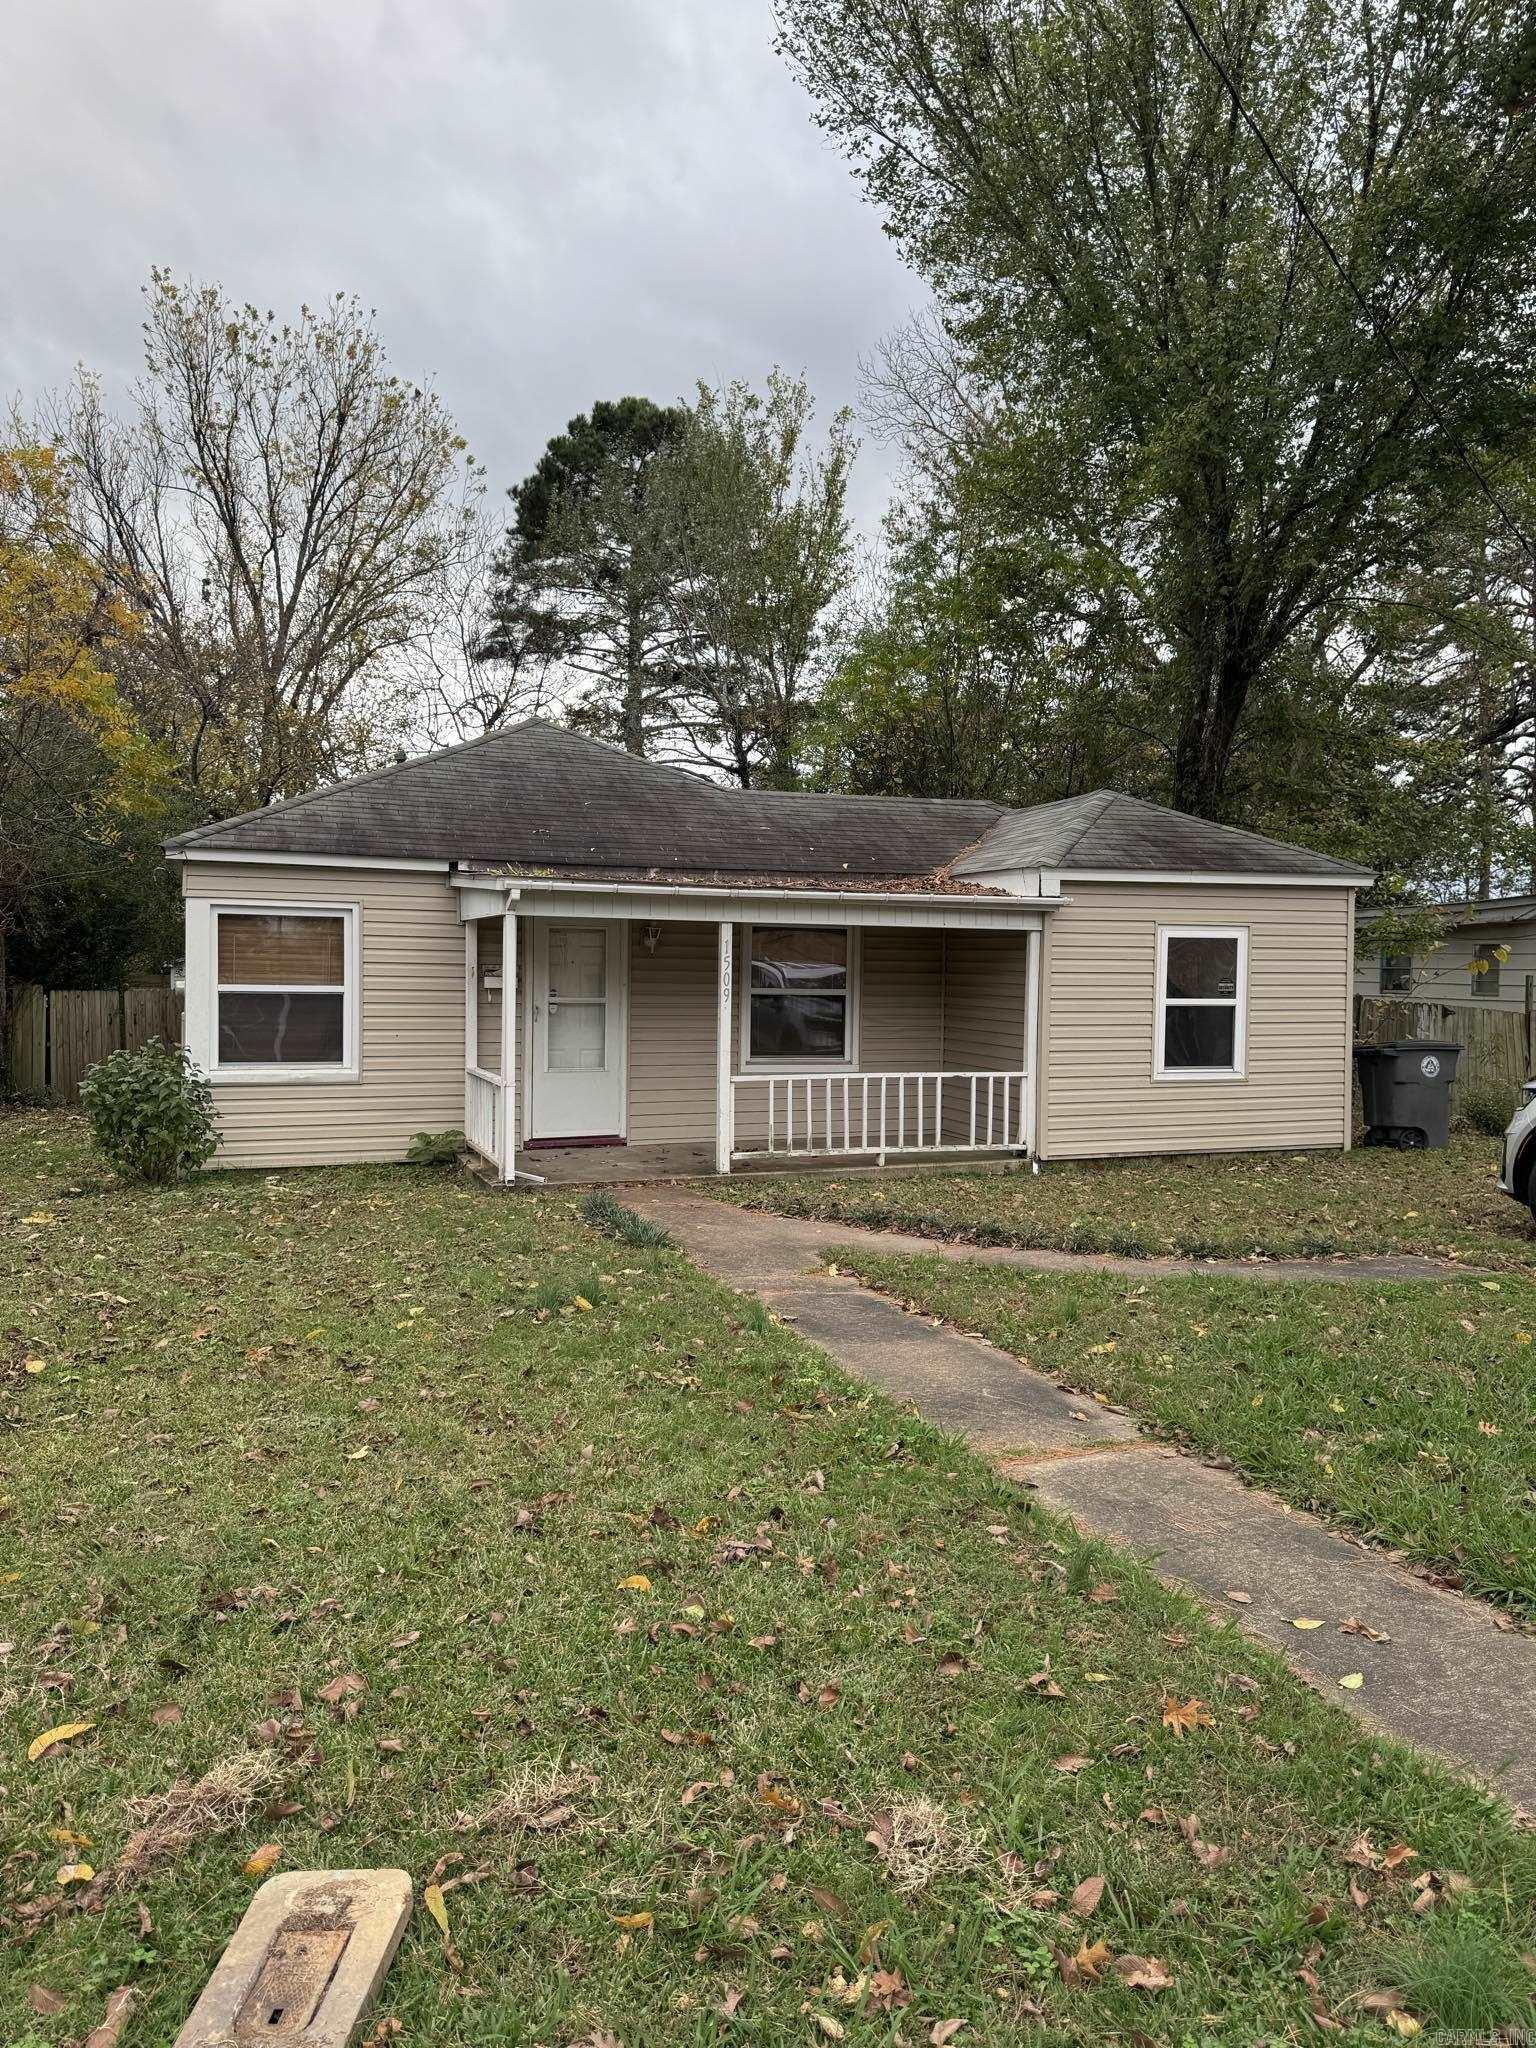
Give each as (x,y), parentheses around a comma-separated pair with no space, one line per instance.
(1352,1681)
(166,1717)
(432,1899)
(261,1860)
(1086,1897)
(1143,1973)
(52,1737)
(119,2006)
(943,2031)
(1071,1765)
(74,1873)
(1242,1599)
(637,1582)
(633,1920)
(1185,1716)
(45,2003)
(1305,1621)
(833,2029)
(1091,1958)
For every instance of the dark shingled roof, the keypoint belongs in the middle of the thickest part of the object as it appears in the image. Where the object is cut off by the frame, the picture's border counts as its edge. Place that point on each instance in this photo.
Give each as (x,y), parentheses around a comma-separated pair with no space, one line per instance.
(537,796)
(1110,831)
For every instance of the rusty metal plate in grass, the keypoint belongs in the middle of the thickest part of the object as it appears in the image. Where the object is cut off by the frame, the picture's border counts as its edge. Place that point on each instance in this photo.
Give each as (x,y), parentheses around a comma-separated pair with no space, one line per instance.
(304,1963)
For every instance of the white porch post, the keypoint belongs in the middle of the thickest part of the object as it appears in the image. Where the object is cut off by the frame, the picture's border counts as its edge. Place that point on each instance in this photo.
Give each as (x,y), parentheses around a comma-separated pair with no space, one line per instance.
(724,1094)
(509,1043)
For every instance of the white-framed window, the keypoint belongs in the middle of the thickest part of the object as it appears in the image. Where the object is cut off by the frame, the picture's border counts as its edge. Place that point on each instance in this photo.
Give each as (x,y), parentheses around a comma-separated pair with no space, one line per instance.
(1484,970)
(798,1010)
(1202,1003)
(1396,974)
(282,983)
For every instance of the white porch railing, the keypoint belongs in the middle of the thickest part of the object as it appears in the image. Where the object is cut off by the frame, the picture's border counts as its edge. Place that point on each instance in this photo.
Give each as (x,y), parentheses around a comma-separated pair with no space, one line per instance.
(483,1113)
(814,1115)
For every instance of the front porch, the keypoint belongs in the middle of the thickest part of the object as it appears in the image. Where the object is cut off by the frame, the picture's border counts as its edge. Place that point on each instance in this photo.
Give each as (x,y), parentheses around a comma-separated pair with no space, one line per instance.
(623,1034)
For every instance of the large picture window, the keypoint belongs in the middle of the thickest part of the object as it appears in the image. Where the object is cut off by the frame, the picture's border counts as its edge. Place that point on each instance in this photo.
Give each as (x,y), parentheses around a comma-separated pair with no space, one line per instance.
(797,994)
(1202,976)
(282,990)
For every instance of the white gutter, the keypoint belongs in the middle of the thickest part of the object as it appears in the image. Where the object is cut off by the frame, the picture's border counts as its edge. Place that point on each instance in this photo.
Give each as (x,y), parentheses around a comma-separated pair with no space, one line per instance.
(227,858)
(927,899)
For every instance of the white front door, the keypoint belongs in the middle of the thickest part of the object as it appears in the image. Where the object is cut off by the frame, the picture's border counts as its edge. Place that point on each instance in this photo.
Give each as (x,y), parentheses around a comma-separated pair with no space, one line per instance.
(577,996)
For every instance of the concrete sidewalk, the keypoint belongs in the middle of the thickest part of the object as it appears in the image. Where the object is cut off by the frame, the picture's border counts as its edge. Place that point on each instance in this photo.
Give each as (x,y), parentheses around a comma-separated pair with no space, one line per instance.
(1446,1677)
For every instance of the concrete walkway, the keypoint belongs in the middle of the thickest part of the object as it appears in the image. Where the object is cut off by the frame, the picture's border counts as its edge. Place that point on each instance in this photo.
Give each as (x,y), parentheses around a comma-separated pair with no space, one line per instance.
(1446,1677)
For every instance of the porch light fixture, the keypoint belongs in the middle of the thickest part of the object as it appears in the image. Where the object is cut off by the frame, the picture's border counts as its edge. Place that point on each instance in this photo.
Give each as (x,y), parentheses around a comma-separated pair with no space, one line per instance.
(650,938)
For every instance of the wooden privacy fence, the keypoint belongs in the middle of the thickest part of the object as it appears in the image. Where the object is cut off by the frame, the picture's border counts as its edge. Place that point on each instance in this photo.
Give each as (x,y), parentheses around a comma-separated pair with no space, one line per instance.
(1496,1044)
(56,1034)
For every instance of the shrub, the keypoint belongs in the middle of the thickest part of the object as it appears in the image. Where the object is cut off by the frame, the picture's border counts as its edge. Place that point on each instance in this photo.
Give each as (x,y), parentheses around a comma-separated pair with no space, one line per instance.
(1487,1106)
(151,1112)
(435,1148)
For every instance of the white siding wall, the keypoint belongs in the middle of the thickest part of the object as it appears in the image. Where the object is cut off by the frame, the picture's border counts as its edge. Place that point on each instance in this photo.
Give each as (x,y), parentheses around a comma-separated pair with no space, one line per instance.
(1098,1096)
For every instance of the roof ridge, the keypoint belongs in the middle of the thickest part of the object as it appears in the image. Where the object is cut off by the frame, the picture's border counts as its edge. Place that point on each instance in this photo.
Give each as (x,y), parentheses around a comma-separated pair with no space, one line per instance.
(1110,796)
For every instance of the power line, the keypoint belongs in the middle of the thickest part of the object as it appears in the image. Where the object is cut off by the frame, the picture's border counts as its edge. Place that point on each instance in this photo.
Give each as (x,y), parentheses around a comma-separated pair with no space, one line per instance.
(1378,327)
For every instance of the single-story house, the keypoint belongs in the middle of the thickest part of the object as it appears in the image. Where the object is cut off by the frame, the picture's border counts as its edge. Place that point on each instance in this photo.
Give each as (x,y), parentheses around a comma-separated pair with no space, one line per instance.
(552,945)
(1485,957)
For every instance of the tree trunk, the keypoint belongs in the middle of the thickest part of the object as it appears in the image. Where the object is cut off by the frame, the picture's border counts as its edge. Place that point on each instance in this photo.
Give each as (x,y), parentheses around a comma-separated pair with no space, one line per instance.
(632,723)
(1208,730)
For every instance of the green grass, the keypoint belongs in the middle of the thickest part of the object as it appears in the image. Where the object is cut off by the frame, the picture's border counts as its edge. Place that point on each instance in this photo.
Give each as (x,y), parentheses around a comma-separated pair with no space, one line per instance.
(356,1425)
(1405,1411)
(1253,1204)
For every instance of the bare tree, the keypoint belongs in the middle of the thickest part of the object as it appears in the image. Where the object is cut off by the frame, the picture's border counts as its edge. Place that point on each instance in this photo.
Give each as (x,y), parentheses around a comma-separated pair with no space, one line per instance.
(281,511)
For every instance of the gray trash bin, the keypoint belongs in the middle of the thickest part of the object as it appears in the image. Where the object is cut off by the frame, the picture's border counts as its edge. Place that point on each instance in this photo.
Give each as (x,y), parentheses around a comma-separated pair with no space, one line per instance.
(1406,1091)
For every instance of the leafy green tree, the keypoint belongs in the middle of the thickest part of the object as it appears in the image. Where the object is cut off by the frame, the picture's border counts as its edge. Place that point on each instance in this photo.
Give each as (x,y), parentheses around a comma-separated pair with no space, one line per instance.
(760,536)
(588,570)
(1201,470)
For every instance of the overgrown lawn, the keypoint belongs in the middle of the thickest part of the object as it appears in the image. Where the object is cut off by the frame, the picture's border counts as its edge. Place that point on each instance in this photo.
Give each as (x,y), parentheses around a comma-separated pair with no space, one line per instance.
(722,1698)
(1246,1205)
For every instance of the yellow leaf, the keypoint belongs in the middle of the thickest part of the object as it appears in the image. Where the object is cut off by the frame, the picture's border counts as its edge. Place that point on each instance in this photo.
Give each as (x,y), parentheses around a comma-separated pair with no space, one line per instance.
(361,1452)
(35,1365)
(75,1873)
(1403,2024)
(1352,1681)
(39,1216)
(636,1920)
(65,1732)
(261,1860)
(580,1301)
(1091,1958)
(637,1582)
(69,1838)
(1306,1621)
(1186,1715)
(432,1899)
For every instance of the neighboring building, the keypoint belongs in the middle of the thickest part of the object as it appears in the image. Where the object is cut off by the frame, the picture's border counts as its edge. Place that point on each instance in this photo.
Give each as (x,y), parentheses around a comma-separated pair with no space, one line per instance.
(1488,951)
(554,945)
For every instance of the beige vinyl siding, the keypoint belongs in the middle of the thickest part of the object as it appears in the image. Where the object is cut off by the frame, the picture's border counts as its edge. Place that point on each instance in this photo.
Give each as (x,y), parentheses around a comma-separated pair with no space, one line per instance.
(672,995)
(488,1001)
(410,1021)
(899,1003)
(1098,1096)
(986,1010)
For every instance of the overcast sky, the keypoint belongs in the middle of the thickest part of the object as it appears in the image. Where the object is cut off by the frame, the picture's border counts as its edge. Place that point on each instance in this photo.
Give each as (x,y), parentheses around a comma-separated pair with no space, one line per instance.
(547,201)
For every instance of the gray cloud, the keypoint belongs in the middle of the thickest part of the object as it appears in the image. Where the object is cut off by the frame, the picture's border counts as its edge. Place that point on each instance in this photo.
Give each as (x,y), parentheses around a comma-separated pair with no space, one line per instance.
(545,203)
